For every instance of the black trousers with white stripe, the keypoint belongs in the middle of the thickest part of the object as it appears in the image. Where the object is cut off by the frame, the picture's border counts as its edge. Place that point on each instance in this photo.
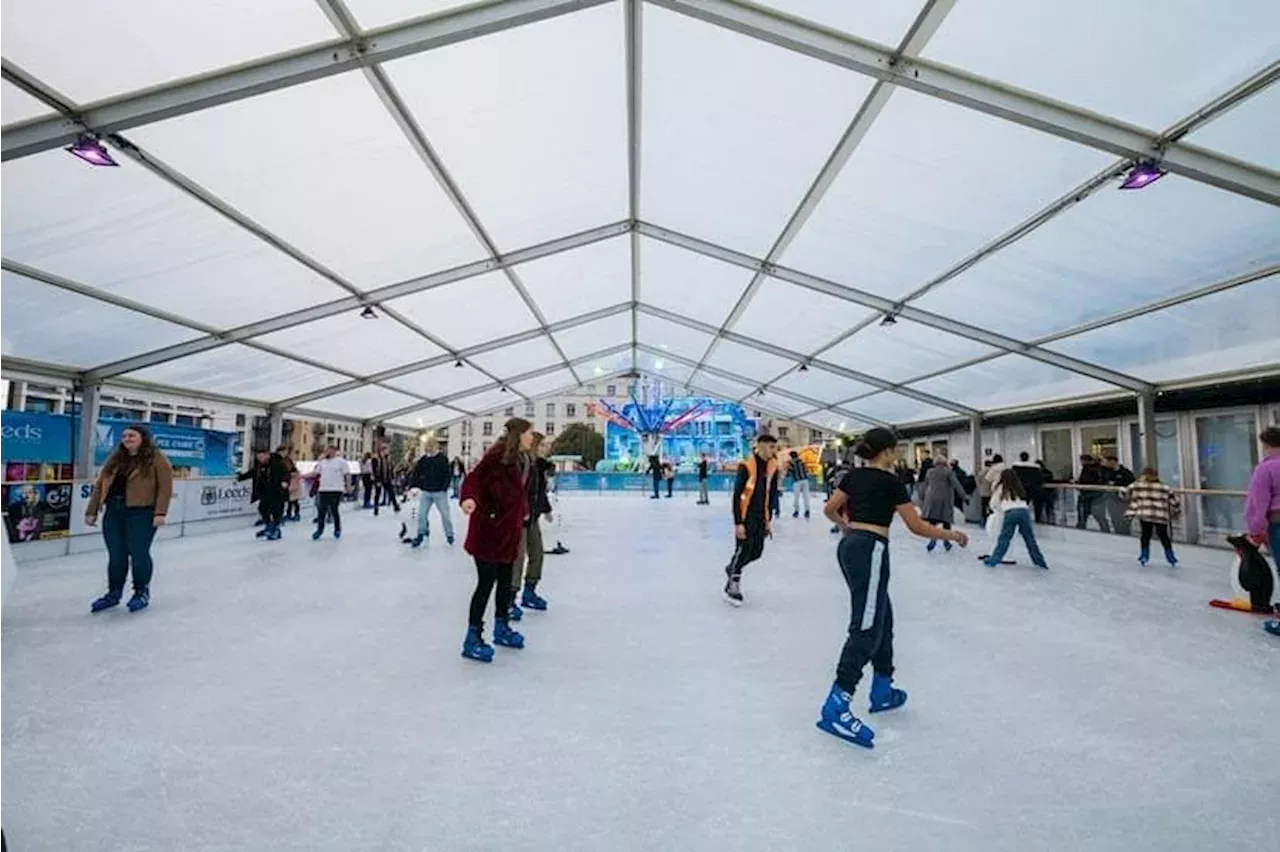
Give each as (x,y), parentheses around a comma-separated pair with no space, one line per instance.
(864,561)
(747,550)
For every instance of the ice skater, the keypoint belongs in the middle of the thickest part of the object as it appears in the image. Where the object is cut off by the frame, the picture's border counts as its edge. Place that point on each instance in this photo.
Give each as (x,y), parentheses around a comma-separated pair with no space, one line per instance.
(704,496)
(939,490)
(135,486)
(1010,513)
(527,571)
(754,494)
(799,475)
(431,477)
(863,507)
(332,482)
(1154,505)
(495,498)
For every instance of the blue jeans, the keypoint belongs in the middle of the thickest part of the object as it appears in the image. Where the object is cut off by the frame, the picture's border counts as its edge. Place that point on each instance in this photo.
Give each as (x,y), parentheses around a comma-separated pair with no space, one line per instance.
(128,533)
(1273,541)
(1018,520)
(439,499)
(455,483)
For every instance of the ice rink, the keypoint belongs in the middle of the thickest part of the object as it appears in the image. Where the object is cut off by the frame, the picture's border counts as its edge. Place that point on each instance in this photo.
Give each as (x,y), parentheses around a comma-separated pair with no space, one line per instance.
(310,696)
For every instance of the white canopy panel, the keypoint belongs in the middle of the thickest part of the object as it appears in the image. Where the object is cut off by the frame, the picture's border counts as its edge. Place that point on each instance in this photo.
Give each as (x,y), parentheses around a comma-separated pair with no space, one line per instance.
(536,193)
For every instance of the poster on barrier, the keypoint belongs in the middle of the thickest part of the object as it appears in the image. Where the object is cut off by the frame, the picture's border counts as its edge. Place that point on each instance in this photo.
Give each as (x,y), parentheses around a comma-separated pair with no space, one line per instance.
(34,511)
(82,490)
(208,499)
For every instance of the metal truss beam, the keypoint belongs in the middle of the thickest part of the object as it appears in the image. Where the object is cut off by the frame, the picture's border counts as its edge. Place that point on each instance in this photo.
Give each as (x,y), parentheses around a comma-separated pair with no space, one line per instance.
(376,297)
(277,72)
(634,54)
(844,372)
(523,377)
(883,305)
(987,96)
(743,380)
(469,352)
(928,20)
(1210,111)
(345,22)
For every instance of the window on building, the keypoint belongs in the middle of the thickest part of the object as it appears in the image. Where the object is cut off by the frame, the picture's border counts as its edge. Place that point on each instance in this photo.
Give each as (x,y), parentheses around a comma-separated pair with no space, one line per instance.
(185,420)
(610,390)
(570,409)
(782,431)
(72,408)
(160,417)
(551,429)
(487,428)
(110,412)
(551,409)
(39,405)
(509,411)
(528,409)
(239,421)
(591,389)
(816,435)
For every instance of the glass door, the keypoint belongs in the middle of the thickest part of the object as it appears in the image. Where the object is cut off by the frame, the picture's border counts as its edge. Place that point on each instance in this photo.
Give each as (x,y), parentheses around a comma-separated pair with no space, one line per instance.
(1226,453)
(1166,452)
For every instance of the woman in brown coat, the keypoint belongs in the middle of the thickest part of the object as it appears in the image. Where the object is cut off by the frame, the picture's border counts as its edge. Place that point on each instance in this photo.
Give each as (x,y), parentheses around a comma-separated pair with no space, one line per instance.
(135,486)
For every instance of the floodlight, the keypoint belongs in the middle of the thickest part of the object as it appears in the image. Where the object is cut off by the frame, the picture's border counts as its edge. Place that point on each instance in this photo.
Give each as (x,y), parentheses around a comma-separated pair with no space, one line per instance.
(92,151)
(1143,175)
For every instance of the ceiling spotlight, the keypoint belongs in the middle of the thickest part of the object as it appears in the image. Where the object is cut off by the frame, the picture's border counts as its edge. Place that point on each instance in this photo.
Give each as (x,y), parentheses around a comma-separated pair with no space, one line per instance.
(92,151)
(804,368)
(503,389)
(1143,174)
(888,319)
(458,363)
(368,313)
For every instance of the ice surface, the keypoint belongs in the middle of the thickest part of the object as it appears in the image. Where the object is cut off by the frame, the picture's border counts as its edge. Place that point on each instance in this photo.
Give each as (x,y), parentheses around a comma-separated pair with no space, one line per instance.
(309,696)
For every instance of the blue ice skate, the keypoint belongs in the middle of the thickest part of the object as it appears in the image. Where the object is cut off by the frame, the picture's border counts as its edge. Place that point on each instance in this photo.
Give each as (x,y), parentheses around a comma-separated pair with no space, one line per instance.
(503,635)
(839,721)
(1272,626)
(141,600)
(337,534)
(107,601)
(1144,556)
(1170,557)
(315,536)
(417,542)
(475,648)
(531,599)
(884,696)
(273,533)
(263,533)
(515,613)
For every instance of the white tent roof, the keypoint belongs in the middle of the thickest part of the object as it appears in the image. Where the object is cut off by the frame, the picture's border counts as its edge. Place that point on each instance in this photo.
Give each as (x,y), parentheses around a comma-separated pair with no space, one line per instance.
(533,194)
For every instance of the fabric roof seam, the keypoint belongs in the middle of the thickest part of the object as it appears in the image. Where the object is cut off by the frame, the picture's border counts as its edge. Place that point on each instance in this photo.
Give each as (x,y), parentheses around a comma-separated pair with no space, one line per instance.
(633,35)
(879,303)
(781,352)
(1239,93)
(923,27)
(345,22)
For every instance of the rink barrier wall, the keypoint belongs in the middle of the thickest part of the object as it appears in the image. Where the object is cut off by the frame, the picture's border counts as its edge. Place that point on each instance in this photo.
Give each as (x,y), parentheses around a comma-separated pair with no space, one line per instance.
(199,506)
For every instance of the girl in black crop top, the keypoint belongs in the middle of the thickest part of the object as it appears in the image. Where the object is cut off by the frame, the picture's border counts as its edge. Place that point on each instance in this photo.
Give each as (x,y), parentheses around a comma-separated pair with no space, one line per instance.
(863,507)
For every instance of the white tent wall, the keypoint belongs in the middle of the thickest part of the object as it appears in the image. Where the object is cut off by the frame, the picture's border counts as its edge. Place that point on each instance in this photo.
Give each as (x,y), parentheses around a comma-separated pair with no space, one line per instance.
(738,195)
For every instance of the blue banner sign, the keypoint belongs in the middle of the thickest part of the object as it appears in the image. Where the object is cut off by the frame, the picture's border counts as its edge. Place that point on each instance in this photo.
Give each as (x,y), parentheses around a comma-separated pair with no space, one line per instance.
(591,481)
(49,439)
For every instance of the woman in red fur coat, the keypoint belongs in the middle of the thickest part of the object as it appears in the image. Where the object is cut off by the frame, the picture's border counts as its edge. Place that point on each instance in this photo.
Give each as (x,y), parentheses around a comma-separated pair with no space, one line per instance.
(495,498)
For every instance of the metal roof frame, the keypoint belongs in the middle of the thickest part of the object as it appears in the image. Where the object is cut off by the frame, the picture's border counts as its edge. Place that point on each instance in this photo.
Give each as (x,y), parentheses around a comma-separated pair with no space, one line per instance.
(890,67)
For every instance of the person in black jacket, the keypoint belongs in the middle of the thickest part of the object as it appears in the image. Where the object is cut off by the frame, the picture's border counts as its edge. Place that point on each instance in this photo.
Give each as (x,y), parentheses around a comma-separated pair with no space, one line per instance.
(528,565)
(432,477)
(1114,473)
(704,496)
(755,493)
(384,474)
(1091,501)
(270,477)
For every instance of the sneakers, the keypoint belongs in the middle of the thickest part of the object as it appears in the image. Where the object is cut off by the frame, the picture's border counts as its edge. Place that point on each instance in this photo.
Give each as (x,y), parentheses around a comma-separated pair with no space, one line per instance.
(141,600)
(107,601)
(839,721)
(531,599)
(733,590)
(884,696)
(506,637)
(475,648)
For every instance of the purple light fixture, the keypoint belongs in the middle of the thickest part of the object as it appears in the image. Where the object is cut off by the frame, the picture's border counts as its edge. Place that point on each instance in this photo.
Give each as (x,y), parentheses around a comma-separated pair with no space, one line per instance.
(92,151)
(1143,174)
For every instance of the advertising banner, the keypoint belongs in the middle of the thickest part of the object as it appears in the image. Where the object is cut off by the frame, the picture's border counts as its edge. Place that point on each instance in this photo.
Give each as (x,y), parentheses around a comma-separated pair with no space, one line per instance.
(82,490)
(31,437)
(207,499)
(34,511)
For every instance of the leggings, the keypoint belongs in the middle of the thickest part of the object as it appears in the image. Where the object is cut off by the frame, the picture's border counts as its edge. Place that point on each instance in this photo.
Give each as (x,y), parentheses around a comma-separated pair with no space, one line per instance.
(489,574)
(1161,531)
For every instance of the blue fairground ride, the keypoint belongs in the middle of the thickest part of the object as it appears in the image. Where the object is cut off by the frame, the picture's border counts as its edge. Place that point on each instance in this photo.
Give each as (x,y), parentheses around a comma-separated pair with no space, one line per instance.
(678,429)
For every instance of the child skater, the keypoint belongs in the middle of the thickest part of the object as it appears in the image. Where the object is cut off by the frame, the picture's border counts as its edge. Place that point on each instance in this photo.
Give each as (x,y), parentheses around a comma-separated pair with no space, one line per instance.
(1009,501)
(1155,506)
(863,508)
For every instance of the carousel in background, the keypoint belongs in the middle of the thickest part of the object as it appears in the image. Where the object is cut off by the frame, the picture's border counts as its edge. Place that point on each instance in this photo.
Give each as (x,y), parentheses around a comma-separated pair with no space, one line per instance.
(677,429)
